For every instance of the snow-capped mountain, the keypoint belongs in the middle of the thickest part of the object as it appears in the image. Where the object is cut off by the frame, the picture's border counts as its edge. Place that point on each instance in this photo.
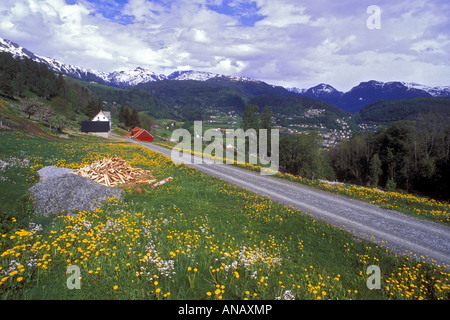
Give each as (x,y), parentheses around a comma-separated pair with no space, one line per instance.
(133,78)
(353,100)
(439,91)
(371,91)
(192,75)
(55,65)
(324,92)
(121,79)
(204,76)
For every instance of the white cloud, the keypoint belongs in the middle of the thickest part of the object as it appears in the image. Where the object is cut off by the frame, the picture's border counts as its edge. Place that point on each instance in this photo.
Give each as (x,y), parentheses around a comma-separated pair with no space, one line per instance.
(295,43)
(281,14)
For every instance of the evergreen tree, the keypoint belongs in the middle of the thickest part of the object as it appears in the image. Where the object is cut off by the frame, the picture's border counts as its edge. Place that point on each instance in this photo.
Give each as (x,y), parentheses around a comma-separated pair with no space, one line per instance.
(61,86)
(300,155)
(134,119)
(374,171)
(122,115)
(6,87)
(250,119)
(93,108)
(266,123)
(266,118)
(125,117)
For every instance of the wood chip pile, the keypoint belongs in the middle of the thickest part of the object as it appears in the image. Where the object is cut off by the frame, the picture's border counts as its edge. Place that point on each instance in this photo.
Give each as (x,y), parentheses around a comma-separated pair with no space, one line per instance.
(115,171)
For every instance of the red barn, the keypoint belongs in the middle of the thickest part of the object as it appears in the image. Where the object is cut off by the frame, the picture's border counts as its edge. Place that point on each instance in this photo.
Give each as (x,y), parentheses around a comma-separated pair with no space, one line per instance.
(140,134)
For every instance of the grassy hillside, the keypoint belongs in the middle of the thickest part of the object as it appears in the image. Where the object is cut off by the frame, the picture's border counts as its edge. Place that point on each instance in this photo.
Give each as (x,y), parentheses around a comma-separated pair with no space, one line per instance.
(131,98)
(190,100)
(196,237)
(292,109)
(409,109)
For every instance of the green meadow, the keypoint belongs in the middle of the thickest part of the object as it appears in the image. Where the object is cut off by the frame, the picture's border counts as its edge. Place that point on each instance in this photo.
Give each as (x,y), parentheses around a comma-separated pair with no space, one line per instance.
(194,238)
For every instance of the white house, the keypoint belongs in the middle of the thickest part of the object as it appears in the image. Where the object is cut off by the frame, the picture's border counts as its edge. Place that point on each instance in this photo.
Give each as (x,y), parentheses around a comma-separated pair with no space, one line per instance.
(103,116)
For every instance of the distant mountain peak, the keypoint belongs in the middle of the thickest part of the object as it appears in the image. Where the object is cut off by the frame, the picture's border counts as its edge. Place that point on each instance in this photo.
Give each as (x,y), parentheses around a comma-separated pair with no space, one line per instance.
(323,92)
(192,75)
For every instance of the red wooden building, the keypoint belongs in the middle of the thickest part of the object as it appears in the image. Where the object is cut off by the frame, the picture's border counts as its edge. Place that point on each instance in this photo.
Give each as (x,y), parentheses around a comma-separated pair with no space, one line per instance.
(140,134)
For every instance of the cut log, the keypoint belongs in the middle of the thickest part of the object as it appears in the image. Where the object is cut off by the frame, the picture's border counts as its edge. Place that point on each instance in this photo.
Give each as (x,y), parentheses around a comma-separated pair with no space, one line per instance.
(160,183)
(115,171)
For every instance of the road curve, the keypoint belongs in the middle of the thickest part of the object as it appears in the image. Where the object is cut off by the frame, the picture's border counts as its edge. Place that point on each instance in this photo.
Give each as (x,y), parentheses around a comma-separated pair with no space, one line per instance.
(400,233)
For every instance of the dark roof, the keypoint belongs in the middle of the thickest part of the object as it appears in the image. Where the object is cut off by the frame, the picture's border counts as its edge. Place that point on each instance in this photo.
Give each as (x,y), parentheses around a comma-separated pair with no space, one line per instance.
(95,126)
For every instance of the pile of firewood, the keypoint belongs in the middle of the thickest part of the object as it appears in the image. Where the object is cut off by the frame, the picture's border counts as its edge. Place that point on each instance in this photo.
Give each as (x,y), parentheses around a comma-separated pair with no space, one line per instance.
(115,171)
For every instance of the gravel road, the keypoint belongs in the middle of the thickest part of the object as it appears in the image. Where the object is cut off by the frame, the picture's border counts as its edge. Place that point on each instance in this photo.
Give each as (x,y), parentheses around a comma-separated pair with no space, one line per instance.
(398,232)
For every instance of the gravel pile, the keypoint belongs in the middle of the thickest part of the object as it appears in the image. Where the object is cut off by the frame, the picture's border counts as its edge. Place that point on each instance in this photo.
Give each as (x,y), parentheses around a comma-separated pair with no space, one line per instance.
(62,192)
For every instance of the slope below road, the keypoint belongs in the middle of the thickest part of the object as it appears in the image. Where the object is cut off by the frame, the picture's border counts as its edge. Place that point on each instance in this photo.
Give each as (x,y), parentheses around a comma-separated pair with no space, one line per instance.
(396,231)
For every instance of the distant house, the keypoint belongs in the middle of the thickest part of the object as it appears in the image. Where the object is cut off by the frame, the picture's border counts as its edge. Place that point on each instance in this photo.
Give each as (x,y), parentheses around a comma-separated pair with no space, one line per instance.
(103,116)
(140,134)
(101,123)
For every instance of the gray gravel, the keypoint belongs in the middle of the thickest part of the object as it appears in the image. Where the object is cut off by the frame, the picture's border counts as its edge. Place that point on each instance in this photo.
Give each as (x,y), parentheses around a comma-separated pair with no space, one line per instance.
(62,192)
(400,233)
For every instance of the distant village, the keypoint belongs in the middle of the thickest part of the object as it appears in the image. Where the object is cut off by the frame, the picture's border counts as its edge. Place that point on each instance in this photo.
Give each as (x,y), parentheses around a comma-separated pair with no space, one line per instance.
(330,137)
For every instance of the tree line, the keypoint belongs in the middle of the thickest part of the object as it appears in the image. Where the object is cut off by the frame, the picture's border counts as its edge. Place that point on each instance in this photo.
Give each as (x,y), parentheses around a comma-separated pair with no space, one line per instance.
(413,156)
(409,155)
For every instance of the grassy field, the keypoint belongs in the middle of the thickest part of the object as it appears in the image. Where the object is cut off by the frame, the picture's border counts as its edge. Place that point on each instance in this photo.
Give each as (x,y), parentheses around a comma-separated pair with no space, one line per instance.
(415,205)
(195,237)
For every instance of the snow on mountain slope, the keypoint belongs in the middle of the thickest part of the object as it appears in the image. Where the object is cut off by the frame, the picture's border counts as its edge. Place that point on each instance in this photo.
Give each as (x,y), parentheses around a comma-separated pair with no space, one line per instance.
(122,79)
(440,91)
(133,78)
(192,75)
(204,76)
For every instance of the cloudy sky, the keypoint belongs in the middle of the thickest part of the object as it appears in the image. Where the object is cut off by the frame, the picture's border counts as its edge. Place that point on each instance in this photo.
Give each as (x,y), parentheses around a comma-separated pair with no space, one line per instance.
(293,43)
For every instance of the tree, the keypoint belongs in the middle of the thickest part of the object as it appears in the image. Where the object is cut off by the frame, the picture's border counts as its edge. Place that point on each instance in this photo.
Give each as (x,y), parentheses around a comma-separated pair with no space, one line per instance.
(397,153)
(267,124)
(374,171)
(134,119)
(57,121)
(93,108)
(61,86)
(266,118)
(300,155)
(250,119)
(62,106)
(146,121)
(44,113)
(6,87)
(31,107)
(121,115)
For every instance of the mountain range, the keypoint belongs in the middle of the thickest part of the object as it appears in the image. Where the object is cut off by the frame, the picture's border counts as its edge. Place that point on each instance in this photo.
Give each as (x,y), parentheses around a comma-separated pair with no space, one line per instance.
(352,101)
(371,91)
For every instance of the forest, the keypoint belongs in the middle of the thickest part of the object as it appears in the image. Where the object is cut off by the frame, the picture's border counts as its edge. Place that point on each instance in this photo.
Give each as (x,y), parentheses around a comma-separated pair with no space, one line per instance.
(408,155)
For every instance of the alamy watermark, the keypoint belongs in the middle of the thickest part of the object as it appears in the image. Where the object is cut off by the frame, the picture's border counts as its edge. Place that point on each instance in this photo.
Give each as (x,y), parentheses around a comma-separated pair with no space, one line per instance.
(374,20)
(229,146)
(374,280)
(74,278)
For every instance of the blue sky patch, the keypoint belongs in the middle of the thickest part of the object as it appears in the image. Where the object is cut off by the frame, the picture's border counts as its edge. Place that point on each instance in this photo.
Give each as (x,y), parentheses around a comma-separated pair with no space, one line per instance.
(247,12)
